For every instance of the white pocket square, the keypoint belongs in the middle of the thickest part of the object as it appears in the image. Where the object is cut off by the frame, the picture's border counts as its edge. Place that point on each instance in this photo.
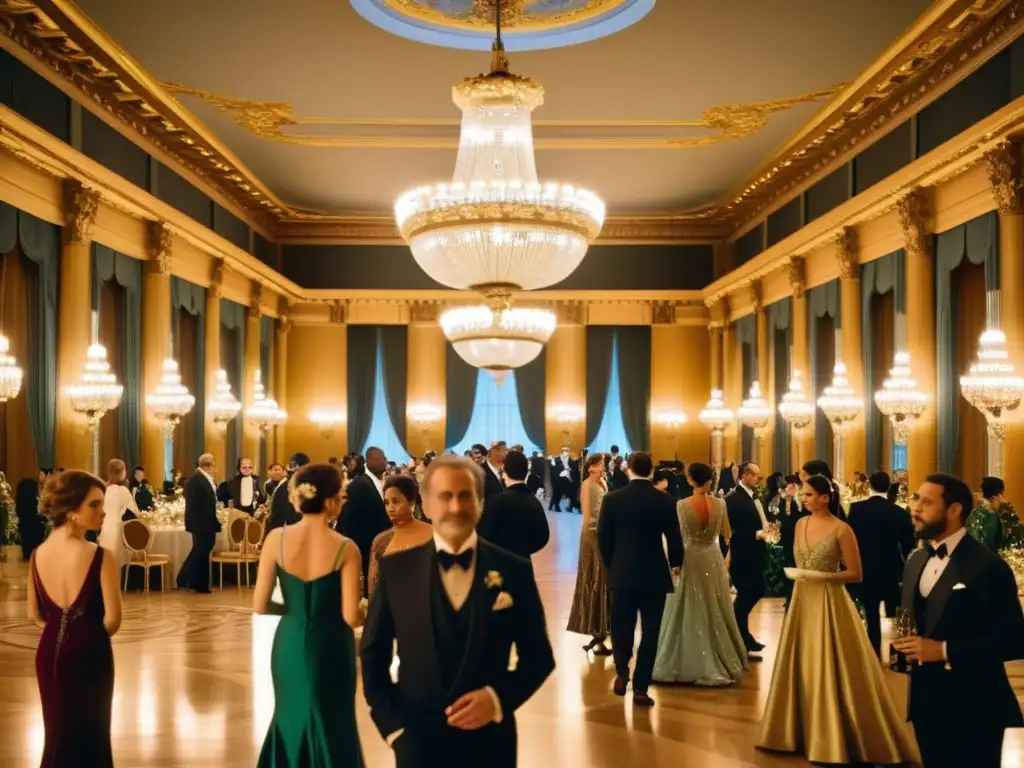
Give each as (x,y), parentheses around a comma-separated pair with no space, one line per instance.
(503,601)
(959,585)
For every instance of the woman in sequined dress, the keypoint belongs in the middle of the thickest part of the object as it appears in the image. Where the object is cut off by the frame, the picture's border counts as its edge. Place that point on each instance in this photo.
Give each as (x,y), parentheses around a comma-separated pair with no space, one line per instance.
(700,642)
(400,494)
(74,598)
(591,604)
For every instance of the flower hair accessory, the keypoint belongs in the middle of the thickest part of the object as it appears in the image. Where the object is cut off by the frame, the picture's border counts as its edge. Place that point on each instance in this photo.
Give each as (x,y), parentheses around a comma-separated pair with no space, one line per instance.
(299,493)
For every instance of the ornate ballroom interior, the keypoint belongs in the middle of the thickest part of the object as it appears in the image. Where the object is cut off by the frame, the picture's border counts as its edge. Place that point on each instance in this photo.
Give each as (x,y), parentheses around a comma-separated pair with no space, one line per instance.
(772,231)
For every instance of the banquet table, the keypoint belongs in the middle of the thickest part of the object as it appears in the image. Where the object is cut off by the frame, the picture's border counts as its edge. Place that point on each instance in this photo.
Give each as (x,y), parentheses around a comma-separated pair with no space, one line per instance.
(175,542)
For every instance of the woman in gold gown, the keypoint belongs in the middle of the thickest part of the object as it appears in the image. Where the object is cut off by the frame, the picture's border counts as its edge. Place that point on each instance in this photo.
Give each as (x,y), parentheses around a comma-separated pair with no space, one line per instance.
(828,700)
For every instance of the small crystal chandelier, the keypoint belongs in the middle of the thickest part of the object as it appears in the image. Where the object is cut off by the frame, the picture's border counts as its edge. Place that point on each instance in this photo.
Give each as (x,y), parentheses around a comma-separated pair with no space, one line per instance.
(671,420)
(899,398)
(992,386)
(840,405)
(223,407)
(755,413)
(326,420)
(264,413)
(796,411)
(97,390)
(717,418)
(11,375)
(171,400)
(566,415)
(498,340)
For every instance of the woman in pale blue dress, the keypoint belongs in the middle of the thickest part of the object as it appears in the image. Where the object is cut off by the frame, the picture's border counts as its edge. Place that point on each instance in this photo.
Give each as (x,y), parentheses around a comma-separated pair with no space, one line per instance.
(700,642)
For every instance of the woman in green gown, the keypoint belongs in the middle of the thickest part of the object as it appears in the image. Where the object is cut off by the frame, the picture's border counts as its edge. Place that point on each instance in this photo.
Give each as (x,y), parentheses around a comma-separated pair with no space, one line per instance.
(313,658)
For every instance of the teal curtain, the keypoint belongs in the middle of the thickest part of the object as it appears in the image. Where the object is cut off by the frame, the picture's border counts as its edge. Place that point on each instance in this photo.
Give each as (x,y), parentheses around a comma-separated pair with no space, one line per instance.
(978,241)
(394,347)
(779,319)
(634,351)
(40,244)
(109,265)
(232,327)
(460,396)
(822,301)
(878,277)
(531,386)
(746,337)
(191,298)
(599,373)
(362,375)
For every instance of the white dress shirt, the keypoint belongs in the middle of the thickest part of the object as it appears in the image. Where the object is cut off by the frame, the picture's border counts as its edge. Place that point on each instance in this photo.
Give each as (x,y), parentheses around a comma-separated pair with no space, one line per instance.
(245,491)
(757,504)
(496,472)
(208,476)
(936,565)
(872,494)
(378,483)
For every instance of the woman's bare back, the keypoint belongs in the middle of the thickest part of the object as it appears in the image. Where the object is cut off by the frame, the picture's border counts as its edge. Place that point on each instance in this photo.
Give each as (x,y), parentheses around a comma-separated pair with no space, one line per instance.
(62,565)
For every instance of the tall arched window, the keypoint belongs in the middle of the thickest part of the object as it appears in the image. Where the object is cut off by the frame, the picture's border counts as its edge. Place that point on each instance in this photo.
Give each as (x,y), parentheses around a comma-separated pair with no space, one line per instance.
(382,432)
(496,415)
(613,430)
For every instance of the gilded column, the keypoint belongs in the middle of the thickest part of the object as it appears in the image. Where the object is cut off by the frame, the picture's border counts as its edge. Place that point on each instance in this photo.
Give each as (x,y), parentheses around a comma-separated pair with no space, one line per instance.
(156,339)
(275,452)
(850,335)
(766,436)
(716,312)
(426,380)
(1004,172)
(732,383)
(251,364)
(922,445)
(566,377)
(74,322)
(214,438)
(803,443)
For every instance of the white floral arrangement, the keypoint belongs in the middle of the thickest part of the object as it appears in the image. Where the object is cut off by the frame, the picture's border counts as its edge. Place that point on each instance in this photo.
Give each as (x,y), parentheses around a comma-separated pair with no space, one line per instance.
(773,533)
(170,513)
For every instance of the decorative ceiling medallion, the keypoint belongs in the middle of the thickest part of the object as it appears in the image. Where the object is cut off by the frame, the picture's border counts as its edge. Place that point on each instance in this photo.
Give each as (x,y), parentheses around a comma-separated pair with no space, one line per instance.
(527,25)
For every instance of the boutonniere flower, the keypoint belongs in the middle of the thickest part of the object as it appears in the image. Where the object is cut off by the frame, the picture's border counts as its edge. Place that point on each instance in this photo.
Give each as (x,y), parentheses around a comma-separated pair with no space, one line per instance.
(493,580)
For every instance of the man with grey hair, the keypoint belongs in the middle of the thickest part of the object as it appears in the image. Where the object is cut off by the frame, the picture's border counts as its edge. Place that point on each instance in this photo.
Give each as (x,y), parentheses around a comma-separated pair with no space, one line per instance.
(201,521)
(455,605)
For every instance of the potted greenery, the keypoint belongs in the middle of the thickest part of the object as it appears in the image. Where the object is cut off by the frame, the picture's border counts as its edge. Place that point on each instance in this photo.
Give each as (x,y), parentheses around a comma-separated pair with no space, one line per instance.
(11,553)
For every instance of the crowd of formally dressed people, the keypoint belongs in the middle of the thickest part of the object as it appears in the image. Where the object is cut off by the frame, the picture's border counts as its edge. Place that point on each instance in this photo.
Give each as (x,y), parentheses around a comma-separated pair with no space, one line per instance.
(434,558)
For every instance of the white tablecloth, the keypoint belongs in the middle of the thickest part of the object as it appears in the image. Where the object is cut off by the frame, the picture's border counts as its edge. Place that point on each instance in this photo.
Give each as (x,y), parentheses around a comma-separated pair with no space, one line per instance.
(177,543)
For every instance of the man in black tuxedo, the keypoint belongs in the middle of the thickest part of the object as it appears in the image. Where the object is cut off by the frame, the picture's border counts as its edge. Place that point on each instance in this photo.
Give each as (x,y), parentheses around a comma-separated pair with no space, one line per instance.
(201,521)
(535,480)
(885,537)
(246,491)
(746,549)
(455,606)
(514,519)
(275,474)
(575,481)
(969,620)
(630,527)
(494,482)
(559,482)
(364,515)
(281,510)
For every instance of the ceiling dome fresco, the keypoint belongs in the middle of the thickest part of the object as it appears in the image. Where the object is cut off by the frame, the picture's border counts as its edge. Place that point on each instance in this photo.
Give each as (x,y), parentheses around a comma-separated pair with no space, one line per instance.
(527,25)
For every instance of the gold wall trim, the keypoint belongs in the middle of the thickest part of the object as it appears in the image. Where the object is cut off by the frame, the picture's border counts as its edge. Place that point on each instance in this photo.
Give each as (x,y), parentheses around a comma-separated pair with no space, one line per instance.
(273,120)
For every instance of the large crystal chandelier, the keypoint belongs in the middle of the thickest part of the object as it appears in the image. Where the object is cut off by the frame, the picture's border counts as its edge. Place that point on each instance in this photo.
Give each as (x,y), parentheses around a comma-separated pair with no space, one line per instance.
(840,405)
(223,407)
(495,228)
(899,398)
(10,374)
(97,390)
(716,417)
(263,412)
(171,400)
(992,386)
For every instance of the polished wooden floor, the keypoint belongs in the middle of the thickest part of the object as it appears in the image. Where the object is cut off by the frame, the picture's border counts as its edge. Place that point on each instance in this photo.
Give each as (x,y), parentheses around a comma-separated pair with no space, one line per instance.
(193,689)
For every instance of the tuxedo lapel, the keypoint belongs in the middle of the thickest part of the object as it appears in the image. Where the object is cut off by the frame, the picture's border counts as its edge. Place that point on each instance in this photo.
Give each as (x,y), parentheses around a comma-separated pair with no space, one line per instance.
(420,590)
(480,602)
(912,578)
(943,588)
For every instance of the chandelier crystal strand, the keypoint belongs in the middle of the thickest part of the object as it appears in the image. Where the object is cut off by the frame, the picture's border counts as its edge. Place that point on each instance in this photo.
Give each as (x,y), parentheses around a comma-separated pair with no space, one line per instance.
(899,399)
(840,405)
(992,386)
(716,417)
(796,410)
(11,376)
(171,400)
(755,413)
(223,407)
(263,412)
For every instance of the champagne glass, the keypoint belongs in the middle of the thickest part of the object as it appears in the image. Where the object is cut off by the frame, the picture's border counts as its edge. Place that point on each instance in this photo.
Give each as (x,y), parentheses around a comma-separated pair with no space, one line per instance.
(904,625)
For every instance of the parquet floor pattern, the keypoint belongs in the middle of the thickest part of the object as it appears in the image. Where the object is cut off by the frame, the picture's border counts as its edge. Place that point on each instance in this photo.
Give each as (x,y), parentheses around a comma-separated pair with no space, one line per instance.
(193,689)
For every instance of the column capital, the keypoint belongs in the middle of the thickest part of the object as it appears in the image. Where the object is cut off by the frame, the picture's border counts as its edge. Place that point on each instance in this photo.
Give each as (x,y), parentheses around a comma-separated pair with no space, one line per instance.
(80,204)
(256,302)
(284,324)
(663,312)
(571,312)
(912,210)
(845,241)
(715,331)
(217,278)
(754,287)
(424,311)
(797,282)
(159,243)
(1003,166)
(339,311)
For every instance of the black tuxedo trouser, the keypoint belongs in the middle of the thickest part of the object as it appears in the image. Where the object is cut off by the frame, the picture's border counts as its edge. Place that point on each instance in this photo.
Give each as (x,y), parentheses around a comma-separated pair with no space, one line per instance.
(492,747)
(748,593)
(626,604)
(195,571)
(943,745)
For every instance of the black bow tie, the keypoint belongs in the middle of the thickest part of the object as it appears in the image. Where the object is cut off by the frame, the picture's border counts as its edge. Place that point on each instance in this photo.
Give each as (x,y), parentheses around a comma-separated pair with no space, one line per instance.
(939,551)
(464,559)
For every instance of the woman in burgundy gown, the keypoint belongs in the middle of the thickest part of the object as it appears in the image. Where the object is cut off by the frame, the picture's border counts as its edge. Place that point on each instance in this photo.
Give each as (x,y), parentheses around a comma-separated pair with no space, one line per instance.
(74,598)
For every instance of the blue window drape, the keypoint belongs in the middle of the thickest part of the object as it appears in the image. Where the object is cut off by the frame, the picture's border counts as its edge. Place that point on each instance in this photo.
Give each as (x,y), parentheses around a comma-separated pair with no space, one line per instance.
(382,432)
(496,415)
(613,429)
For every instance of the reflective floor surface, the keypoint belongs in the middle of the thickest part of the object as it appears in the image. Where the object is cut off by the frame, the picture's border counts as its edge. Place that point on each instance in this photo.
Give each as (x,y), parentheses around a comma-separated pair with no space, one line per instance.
(193,689)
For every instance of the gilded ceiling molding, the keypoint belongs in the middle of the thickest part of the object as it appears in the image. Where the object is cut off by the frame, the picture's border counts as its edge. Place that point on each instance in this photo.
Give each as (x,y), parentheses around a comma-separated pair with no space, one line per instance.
(80,205)
(159,247)
(797,281)
(728,122)
(845,241)
(1003,165)
(912,210)
(515,16)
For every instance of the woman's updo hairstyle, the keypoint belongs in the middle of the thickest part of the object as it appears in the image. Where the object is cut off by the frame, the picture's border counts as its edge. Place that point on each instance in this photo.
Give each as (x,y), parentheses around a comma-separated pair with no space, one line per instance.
(405,485)
(700,474)
(65,492)
(823,485)
(312,485)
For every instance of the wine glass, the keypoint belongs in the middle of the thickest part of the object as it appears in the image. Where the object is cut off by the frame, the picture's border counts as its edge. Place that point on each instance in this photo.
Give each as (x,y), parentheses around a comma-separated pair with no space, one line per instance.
(904,625)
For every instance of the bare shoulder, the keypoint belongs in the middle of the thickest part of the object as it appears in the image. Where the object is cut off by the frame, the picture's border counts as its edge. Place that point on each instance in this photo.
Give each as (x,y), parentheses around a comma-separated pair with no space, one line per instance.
(351,549)
(273,537)
(844,530)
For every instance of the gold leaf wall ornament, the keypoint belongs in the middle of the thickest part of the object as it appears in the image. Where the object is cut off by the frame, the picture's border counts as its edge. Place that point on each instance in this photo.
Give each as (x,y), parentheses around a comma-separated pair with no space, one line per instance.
(845,242)
(797,282)
(663,313)
(729,122)
(159,247)
(80,206)
(571,312)
(256,303)
(424,311)
(755,295)
(339,311)
(217,278)
(1003,165)
(912,210)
